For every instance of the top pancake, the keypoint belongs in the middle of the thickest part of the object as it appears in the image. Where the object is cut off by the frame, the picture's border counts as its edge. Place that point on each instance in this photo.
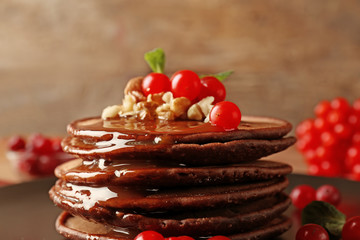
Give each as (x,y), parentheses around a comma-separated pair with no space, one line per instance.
(130,138)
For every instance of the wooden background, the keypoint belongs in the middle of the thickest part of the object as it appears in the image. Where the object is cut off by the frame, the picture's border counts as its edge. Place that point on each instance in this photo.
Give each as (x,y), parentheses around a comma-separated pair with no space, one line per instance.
(64,59)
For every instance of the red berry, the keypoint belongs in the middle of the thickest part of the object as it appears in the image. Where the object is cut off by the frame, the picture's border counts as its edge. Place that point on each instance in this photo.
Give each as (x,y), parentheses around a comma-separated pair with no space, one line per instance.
(313,169)
(351,229)
(211,86)
(47,164)
(39,144)
(322,109)
(56,145)
(330,168)
(305,127)
(321,124)
(28,163)
(155,83)
(355,171)
(352,157)
(226,115)
(149,235)
(328,193)
(219,238)
(335,117)
(312,232)
(328,139)
(356,138)
(302,195)
(185,83)
(343,131)
(16,143)
(340,104)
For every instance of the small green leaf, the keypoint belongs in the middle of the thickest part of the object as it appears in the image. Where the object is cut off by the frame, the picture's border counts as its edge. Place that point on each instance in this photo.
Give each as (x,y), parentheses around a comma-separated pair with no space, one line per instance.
(220,76)
(156,60)
(325,215)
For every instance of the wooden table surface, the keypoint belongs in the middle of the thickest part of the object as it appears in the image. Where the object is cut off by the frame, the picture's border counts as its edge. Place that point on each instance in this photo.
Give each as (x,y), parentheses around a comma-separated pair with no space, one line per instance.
(9,175)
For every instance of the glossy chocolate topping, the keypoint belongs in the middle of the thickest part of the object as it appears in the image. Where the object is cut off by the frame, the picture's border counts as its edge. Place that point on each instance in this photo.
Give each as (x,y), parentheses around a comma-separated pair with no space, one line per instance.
(154,173)
(123,137)
(74,196)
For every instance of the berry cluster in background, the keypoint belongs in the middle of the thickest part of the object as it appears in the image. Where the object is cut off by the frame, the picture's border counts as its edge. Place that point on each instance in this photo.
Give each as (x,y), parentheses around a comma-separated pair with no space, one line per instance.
(37,155)
(330,142)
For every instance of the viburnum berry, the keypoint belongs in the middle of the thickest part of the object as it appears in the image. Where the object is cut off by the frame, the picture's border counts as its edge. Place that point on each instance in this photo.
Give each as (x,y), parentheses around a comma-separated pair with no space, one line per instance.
(47,164)
(149,235)
(40,144)
(56,145)
(155,83)
(302,195)
(333,135)
(340,105)
(226,115)
(312,232)
(185,83)
(351,229)
(28,163)
(37,155)
(211,86)
(355,172)
(322,109)
(16,143)
(328,193)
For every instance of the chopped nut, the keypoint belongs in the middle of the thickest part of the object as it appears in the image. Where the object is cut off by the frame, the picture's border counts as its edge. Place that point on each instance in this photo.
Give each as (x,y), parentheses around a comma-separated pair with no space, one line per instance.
(139,96)
(157,98)
(110,111)
(140,106)
(164,112)
(133,84)
(205,104)
(201,109)
(180,105)
(195,113)
(168,97)
(128,103)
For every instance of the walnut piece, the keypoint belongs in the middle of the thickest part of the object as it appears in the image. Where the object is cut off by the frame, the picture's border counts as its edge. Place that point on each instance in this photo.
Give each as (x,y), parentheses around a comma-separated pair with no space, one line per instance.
(110,111)
(157,106)
(133,84)
(200,110)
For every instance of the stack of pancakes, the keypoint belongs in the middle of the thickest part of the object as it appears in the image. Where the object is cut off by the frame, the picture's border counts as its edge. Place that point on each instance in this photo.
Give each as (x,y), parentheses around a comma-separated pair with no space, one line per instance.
(174,177)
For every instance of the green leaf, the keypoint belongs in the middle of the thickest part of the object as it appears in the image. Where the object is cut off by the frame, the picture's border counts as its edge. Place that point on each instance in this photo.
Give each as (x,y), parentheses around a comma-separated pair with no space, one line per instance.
(156,60)
(325,215)
(220,76)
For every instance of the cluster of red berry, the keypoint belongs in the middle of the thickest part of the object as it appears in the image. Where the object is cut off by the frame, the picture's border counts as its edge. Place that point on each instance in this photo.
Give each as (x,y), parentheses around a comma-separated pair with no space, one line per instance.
(350,231)
(186,83)
(302,195)
(38,156)
(152,235)
(331,141)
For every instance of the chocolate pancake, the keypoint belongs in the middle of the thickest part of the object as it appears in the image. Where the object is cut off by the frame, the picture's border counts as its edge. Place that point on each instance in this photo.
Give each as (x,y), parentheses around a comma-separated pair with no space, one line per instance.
(91,200)
(159,174)
(188,142)
(203,222)
(77,228)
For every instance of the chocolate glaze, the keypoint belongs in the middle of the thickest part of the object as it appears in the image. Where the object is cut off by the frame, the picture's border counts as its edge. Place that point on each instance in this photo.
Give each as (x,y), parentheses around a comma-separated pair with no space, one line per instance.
(129,138)
(154,173)
(202,222)
(76,198)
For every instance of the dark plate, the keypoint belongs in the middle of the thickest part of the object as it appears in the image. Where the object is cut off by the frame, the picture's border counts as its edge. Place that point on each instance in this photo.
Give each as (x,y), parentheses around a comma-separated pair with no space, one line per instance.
(27,213)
